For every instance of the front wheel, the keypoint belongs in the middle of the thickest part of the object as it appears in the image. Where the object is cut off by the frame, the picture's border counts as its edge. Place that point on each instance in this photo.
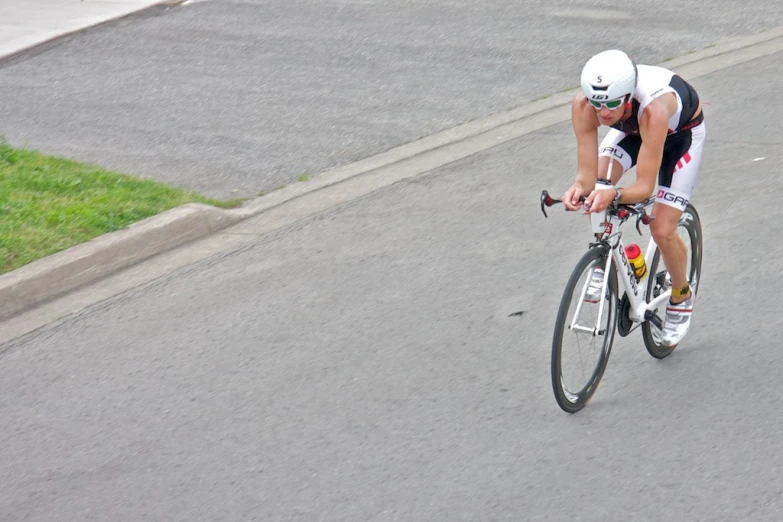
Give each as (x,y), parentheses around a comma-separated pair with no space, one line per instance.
(583,333)
(689,230)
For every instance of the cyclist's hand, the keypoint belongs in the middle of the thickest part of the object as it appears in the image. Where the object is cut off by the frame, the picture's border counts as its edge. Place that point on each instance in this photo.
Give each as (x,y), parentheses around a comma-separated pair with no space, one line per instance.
(571,197)
(598,201)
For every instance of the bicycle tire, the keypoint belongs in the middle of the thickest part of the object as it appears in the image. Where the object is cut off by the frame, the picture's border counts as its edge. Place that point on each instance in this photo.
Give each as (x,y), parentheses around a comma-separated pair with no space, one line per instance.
(656,284)
(569,400)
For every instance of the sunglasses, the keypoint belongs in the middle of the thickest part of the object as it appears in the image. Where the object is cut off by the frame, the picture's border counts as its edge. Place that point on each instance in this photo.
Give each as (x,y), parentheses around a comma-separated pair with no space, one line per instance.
(611,104)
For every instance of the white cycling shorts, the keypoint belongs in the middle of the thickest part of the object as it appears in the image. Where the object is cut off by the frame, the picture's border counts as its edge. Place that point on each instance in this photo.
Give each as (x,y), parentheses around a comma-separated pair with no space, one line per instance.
(679,170)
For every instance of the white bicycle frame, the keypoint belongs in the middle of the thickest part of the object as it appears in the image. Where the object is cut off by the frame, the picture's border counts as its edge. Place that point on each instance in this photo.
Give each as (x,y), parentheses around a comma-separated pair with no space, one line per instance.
(635,289)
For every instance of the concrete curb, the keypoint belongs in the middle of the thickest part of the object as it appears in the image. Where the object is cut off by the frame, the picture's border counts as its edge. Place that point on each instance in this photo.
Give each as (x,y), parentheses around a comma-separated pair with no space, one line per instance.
(65,271)
(87,262)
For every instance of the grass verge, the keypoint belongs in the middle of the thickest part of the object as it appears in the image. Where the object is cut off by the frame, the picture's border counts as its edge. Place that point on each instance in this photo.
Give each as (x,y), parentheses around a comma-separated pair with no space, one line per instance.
(48,204)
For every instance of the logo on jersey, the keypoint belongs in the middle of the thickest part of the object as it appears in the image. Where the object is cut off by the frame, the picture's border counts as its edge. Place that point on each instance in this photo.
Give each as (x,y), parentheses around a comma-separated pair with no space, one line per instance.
(613,151)
(672,198)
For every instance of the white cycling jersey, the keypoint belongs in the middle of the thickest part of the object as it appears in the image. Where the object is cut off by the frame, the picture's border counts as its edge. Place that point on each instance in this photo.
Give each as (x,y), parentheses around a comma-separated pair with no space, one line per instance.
(652,83)
(683,149)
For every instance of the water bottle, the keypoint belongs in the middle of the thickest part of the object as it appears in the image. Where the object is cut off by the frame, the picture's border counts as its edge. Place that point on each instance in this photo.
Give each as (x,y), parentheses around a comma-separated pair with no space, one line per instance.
(635,257)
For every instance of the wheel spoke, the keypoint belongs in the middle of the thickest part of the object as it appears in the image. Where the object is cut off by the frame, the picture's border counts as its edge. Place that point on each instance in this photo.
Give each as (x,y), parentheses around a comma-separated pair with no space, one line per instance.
(575,375)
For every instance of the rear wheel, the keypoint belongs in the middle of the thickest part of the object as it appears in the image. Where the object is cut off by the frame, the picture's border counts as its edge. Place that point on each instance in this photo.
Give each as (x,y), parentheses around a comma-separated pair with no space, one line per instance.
(689,229)
(581,346)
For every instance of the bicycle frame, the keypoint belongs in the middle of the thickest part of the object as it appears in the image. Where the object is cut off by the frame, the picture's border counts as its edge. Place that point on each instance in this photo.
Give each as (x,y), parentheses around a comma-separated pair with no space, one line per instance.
(636,290)
(605,225)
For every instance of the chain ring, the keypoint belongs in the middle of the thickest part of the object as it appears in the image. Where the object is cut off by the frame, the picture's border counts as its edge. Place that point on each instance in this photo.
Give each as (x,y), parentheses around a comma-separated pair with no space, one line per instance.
(624,323)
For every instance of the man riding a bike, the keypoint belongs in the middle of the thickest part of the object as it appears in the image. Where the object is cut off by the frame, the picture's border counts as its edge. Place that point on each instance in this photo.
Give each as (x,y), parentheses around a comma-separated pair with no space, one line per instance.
(656,122)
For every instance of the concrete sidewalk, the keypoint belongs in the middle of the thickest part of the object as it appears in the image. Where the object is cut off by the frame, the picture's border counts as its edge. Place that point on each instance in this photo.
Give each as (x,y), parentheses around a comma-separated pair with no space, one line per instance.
(27,24)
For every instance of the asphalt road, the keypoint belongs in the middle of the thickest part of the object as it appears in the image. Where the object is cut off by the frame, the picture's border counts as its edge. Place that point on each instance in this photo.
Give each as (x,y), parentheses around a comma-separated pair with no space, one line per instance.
(231,98)
(362,364)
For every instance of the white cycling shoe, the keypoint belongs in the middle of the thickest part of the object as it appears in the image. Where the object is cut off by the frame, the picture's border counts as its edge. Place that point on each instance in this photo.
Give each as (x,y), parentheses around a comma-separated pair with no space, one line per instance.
(676,322)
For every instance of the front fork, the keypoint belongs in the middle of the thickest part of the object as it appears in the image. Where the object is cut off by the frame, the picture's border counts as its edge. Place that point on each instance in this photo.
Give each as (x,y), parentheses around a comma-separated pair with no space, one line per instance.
(601,302)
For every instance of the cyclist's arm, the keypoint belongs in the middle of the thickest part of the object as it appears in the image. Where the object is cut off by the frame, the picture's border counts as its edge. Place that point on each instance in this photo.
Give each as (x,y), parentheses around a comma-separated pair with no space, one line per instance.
(653,127)
(585,125)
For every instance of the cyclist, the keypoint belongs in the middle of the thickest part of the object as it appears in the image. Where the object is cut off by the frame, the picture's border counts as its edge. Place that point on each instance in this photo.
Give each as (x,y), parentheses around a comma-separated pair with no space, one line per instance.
(656,124)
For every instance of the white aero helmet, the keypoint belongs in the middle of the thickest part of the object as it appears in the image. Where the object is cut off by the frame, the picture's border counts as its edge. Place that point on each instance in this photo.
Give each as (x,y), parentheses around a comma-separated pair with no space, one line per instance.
(608,76)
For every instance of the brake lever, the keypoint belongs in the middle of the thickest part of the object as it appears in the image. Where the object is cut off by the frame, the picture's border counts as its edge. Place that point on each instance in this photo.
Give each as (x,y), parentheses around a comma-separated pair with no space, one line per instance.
(644,218)
(547,200)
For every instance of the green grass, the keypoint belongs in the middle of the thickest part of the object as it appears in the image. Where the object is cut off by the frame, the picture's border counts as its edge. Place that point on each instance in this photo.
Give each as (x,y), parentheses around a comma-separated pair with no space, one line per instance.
(303,178)
(48,204)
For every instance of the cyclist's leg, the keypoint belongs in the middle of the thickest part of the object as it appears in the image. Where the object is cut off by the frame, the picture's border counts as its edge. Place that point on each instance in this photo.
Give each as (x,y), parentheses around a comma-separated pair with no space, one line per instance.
(677,178)
(621,149)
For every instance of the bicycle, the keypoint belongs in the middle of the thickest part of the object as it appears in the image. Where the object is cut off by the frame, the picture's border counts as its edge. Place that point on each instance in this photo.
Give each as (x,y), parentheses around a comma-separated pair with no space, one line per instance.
(638,307)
